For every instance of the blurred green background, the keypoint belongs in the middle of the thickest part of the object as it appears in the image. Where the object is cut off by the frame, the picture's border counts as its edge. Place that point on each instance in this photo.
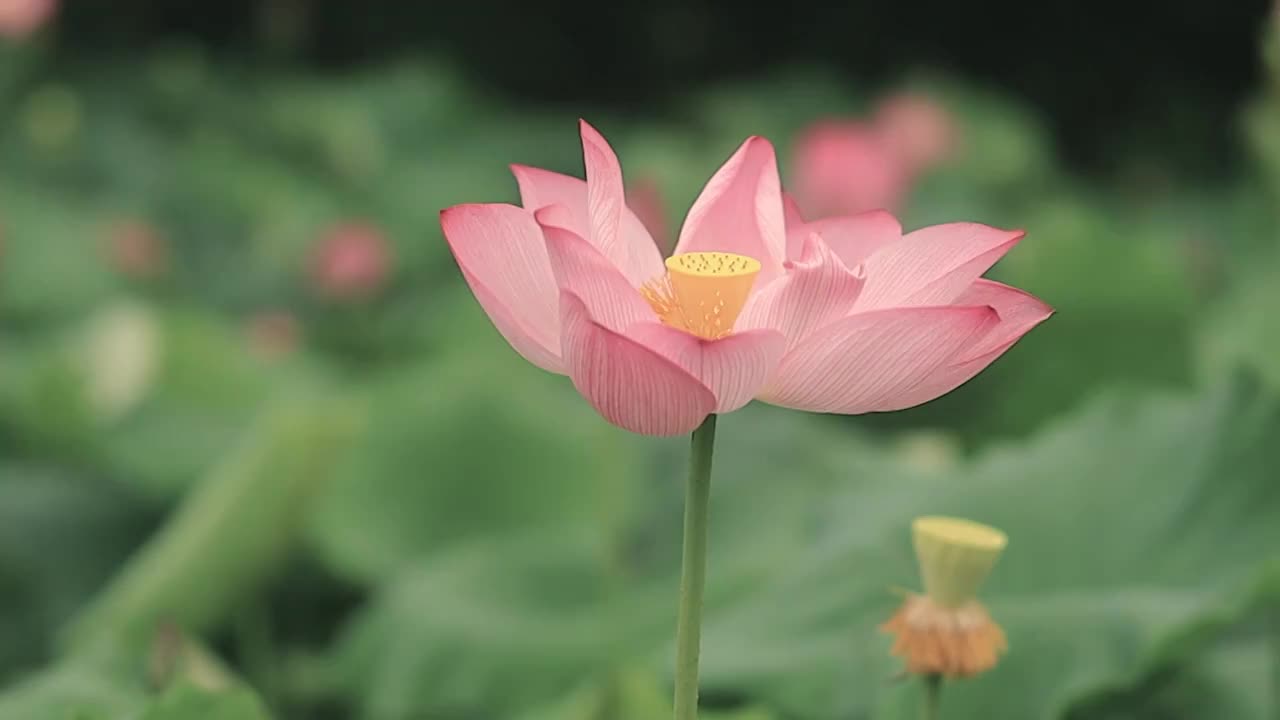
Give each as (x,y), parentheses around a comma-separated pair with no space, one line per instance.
(263,456)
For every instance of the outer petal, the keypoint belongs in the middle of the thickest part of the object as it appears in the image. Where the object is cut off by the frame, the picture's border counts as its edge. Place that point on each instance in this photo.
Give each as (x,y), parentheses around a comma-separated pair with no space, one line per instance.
(865,362)
(630,385)
(581,269)
(735,367)
(740,210)
(933,265)
(853,237)
(597,207)
(606,195)
(791,215)
(620,233)
(815,291)
(1019,312)
(504,259)
(541,188)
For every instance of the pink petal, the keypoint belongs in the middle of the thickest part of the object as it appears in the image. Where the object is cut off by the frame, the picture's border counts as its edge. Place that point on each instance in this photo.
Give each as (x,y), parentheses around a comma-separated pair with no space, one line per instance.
(791,211)
(542,188)
(740,210)
(1019,312)
(581,269)
(630,385)
(605,193)
(504,259)
(865,362)
(513,329)
(625,242)
(734,367)
(853,237)
(816,290)
(933,265)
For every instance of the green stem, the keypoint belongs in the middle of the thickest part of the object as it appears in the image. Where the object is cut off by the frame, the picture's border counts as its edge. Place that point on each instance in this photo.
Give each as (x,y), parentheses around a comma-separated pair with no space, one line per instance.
(1273,644)
(932,697)
(693,575)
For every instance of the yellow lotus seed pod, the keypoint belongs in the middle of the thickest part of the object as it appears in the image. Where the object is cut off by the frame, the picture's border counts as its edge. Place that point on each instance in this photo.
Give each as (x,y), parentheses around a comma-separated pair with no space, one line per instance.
(955,557)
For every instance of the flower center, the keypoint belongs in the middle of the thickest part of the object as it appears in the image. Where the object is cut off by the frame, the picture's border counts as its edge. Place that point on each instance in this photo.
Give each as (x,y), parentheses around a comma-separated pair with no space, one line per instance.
(702,292)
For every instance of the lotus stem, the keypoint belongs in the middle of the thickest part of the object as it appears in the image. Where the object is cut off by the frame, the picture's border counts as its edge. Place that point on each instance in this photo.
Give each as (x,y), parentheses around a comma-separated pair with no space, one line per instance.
(932,697)
(693,573)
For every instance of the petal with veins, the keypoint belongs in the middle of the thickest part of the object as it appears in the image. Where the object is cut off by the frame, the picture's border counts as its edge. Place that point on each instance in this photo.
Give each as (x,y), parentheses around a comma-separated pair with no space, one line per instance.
(933,265)
(583,270)
(629,384)
(816,290)
(865,362)
(740,210)
(504,259)
(734,367)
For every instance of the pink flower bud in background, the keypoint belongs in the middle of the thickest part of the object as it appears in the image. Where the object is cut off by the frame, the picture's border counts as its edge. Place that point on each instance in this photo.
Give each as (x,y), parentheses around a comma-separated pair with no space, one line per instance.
(136,249)
(21,18)
(352,260)
(644,197)
(917,128)
(845,167)
(273,334)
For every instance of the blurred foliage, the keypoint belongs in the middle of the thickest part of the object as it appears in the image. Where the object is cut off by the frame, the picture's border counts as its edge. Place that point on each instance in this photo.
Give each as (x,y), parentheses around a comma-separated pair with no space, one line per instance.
(1132,554)
(370,507)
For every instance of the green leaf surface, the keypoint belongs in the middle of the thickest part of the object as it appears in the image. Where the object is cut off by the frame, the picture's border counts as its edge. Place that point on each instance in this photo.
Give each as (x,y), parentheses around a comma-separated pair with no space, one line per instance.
(232,529)
(1139,527)
(1240,329)
(110,681)
(476,444)
(62,534)
(185,701)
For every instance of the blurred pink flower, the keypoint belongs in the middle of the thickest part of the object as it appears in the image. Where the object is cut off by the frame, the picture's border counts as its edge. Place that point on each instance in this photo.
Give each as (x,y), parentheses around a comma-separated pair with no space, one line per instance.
(135,248)
(917,128)
(644,197)
(273,334)
(842,315)
(849,166)
(351,261)
(20,18)
(845,166)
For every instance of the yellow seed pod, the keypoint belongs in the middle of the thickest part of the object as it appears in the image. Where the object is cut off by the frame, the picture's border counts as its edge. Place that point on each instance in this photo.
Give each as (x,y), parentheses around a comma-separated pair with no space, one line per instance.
(947,631)
(703,292)
(955,557)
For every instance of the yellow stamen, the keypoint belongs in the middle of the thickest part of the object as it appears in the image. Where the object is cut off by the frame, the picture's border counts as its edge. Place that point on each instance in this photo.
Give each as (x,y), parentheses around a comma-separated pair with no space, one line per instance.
(702,293)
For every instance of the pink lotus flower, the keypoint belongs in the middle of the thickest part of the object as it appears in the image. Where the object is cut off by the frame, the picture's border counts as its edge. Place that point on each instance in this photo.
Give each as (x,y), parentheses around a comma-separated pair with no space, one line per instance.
(917,129)
(842,315)
(843,167)
(20,18)
(644,197)
(850,166)
(351,261)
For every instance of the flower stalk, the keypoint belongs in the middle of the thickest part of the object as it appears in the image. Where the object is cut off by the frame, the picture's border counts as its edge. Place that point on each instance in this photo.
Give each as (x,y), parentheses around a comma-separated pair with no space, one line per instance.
(932,697)
(693,573)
